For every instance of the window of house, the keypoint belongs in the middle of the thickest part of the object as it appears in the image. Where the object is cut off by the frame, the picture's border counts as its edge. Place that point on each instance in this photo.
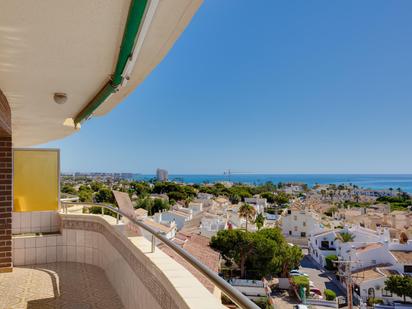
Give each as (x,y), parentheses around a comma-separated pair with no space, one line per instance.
(371,292)
(289,211)
(296,228)
(295,218)
(324,244)
(302,234)
(407,268)
(290,232)
(304,223)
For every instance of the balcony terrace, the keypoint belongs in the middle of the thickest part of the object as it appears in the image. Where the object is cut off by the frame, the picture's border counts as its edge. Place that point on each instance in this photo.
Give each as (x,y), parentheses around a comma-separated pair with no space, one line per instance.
(94,255)
(62,64)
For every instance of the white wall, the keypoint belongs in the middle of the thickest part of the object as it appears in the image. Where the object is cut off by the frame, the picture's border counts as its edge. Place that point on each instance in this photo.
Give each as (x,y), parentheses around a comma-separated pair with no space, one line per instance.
(298,222)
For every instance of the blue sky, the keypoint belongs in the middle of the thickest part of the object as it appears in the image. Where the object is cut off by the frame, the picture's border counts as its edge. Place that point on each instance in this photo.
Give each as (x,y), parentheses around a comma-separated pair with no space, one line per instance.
(279,87)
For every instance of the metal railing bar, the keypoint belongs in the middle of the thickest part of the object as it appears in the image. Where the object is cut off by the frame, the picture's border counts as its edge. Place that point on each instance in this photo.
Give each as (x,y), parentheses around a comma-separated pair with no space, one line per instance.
(235,295)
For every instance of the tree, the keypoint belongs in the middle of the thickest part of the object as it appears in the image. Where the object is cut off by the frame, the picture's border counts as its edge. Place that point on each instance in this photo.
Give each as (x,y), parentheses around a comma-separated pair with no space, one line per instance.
(281,198)
(177,196)
(85,194)
(234,199)
(145,203)
(104,195)
(234,244)
(345,236)
(329,262)
(159,205)
(399,285)
(269,196)
(140,188)
(259,221)
(262,253)
(247,211)
(273,255)
(96,186)
(68,189)
(289,258)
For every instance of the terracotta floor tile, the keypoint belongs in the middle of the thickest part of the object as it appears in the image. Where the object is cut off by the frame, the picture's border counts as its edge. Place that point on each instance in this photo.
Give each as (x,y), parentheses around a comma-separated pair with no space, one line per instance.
(57,285)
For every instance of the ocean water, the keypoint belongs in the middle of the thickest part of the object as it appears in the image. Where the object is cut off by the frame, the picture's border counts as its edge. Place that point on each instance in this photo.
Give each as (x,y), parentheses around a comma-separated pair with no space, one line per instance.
(372,181)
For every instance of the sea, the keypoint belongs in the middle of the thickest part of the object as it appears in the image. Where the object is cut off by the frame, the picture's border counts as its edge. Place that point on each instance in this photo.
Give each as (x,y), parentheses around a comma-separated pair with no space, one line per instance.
(367,181)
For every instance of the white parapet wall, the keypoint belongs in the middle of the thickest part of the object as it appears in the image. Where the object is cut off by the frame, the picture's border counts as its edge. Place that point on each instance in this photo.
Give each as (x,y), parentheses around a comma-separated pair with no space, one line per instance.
(142,279)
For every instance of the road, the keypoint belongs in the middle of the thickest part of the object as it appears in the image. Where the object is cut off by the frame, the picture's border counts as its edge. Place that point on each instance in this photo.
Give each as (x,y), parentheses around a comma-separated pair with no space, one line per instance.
(319,278)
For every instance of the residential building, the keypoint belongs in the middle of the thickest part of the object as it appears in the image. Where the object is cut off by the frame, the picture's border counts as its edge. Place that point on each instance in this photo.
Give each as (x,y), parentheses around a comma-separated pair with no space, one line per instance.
(168,229)
(196,207)
(141,213)
(207,203)
(204,196)
(178,215)
(259,204)
(211,224)
(300,221)
(373,257)
(253,289)
(222,202)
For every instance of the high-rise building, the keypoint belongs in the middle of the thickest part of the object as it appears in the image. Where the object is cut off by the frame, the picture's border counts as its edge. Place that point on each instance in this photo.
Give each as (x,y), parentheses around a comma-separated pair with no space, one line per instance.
(161,175)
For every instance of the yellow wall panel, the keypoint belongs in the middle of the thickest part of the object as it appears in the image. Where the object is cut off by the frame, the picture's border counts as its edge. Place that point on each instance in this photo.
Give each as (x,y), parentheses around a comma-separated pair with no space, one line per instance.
(36,179)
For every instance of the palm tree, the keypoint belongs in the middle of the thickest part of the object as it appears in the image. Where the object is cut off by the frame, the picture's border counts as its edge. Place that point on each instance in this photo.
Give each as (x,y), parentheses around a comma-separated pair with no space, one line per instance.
(345,237)
(247,211)
(259,221)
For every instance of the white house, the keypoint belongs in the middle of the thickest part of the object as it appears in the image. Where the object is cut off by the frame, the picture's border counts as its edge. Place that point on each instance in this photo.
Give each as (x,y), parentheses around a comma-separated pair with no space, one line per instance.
(196,207)
(382,260)
(210,225)
(299,221)
(258,203)
(204,196)
(168,229)
(271,220)
(222,202)
(324,243)
(251,288)
(179,216)
(373,258)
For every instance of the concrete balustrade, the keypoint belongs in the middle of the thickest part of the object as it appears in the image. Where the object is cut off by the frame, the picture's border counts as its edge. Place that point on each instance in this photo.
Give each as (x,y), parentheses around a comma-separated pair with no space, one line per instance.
(142,279)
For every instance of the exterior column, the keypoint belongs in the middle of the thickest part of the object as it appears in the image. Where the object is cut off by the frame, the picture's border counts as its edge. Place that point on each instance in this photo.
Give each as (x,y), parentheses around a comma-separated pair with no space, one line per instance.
(6,186)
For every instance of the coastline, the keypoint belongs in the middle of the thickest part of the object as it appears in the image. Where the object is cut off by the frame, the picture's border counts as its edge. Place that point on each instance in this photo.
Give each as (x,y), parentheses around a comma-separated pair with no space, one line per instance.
(367,181)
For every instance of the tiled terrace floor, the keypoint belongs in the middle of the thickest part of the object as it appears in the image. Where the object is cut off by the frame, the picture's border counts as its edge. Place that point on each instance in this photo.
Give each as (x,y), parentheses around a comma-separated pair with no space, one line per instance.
(57,285)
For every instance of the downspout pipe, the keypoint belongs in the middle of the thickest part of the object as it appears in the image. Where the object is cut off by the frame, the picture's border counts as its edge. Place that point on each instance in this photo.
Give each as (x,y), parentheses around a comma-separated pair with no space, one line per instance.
(134,20)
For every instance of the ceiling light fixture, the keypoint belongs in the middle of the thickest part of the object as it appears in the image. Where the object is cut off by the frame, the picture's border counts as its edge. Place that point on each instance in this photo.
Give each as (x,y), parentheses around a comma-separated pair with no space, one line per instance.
(60,97)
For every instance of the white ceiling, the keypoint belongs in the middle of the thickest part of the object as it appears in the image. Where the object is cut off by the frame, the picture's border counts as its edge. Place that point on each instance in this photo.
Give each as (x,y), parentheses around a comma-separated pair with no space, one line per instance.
(49,46)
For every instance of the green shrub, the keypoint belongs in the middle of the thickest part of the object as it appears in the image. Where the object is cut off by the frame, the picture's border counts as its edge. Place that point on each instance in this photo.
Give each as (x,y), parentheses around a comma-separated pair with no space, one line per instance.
(329,294)
(372,301)
(329,262)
